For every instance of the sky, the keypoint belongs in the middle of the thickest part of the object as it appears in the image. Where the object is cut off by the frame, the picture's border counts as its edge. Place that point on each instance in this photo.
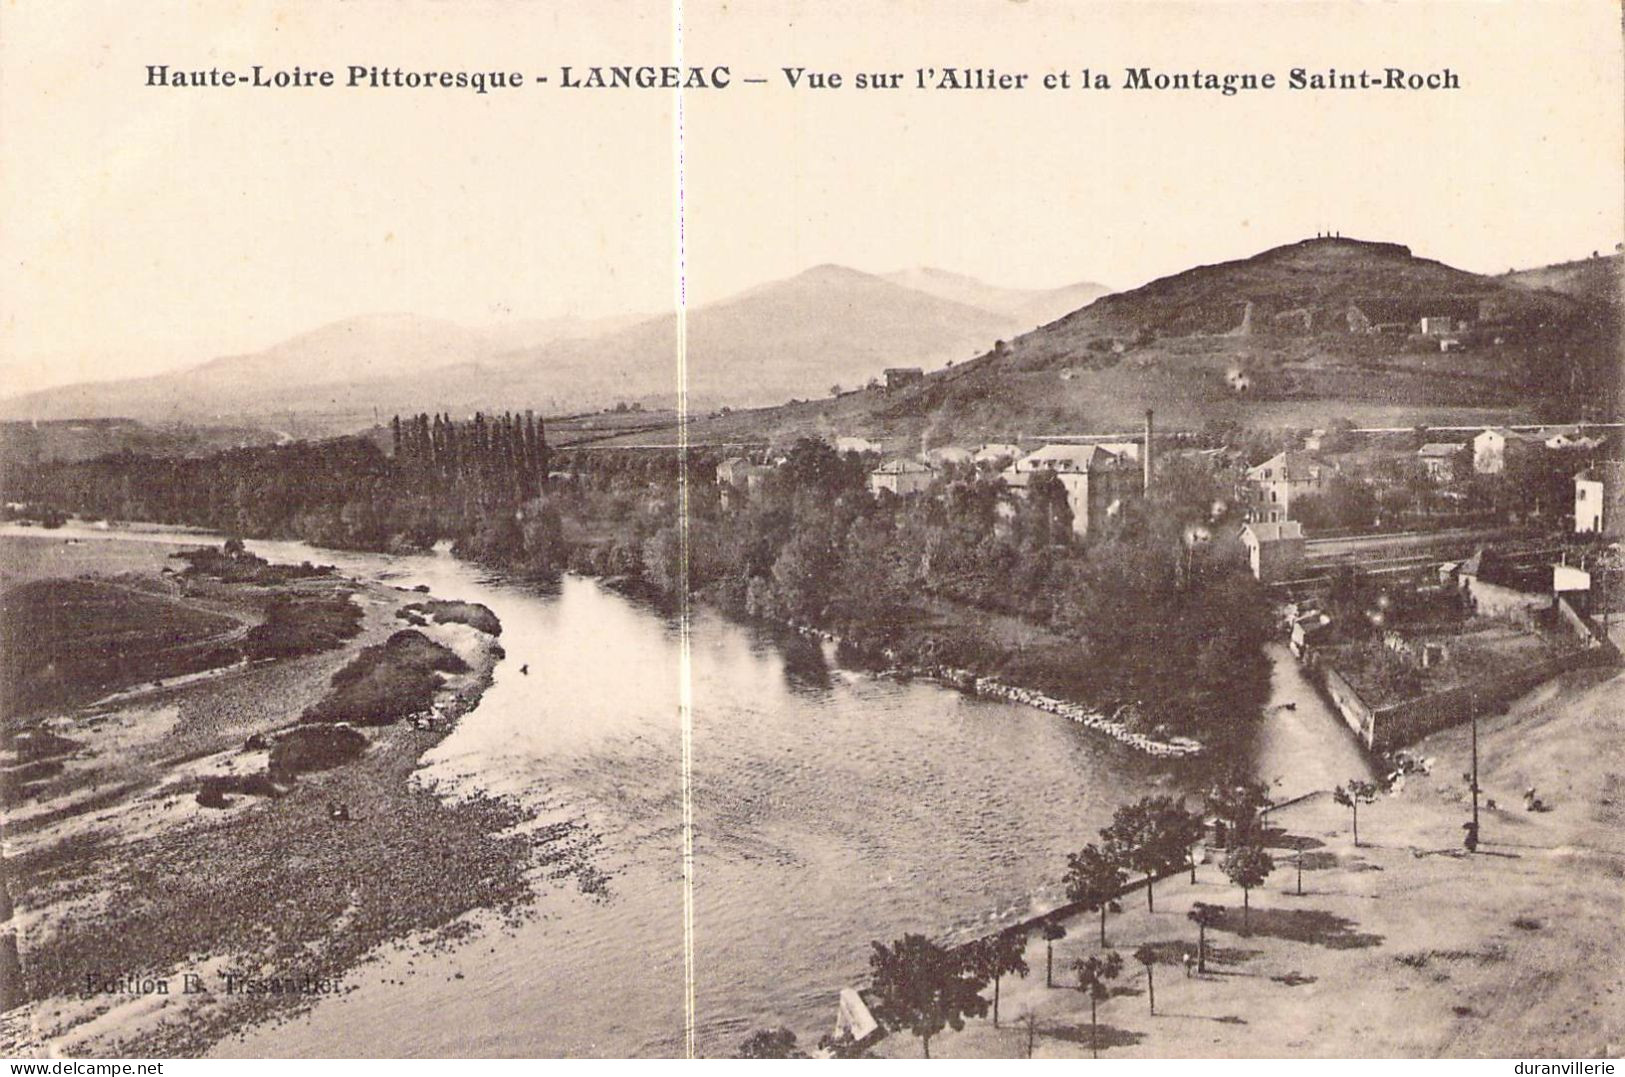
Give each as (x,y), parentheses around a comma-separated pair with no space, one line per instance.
(148,228)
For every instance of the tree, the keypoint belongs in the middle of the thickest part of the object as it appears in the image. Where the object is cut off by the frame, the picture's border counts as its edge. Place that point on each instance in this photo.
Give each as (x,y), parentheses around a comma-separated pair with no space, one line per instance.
(991,958)
(1247,866)
(1093,973)
(1053,933)
(1195,834)
(770,1043)
(1093,880)
(1351,796)
(919,986)
(1029,1025)
(1237,802)
(1147,956)
(1150,836)
(1204,916)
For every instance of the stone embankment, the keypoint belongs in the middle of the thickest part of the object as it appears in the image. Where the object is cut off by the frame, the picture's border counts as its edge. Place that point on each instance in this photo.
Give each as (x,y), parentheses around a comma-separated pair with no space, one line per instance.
(967,681)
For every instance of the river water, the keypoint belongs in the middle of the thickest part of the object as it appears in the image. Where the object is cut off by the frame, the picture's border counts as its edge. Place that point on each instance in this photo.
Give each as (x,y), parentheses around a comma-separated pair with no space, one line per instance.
(830,808)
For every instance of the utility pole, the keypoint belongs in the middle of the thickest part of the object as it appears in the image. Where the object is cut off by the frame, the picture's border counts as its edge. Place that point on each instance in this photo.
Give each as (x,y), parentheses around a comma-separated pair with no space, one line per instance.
(1472,777)
(1475,761)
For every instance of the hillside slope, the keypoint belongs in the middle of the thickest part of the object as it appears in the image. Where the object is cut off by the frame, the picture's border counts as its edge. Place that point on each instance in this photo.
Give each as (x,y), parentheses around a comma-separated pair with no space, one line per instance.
(1027,309)
(1262,341)
(1601,278)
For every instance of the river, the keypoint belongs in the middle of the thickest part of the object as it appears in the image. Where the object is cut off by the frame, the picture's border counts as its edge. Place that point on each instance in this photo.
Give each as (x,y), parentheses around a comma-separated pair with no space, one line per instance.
(830,808)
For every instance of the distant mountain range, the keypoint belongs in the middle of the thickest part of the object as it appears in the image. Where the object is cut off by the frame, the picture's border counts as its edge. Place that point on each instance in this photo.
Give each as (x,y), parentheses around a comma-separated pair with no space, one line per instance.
(830,326)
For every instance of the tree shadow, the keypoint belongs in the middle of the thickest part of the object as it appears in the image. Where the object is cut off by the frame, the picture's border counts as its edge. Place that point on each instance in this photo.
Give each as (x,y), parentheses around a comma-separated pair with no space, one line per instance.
(1107,1036)
(1229,955)
(1300,925)
(1227,1019)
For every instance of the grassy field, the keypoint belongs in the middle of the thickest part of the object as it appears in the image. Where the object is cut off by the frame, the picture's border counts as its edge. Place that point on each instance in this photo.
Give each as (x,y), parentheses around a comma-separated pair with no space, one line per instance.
(69,641)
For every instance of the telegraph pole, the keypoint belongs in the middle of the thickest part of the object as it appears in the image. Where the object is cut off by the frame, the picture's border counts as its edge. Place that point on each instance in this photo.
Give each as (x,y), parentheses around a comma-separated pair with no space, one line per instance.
(1472,777)
(1474,699)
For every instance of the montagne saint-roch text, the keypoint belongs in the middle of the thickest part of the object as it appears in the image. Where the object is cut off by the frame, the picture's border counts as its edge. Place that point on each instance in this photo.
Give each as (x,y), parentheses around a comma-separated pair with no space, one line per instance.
(724,77)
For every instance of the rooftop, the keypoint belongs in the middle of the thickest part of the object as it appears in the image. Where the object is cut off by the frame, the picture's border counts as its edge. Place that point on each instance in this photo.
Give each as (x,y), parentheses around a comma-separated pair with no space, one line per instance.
(901,467)
(1275,532)
(1068,458)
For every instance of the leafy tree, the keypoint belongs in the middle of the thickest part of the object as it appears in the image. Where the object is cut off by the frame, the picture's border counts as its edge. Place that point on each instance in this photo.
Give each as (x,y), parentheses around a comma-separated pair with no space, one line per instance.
(1150,836)
(993,957)
(1247,866)
(1147,956)
(770,1043)
(1093,973)
(919,986)
(1237,802)
(1204,916)
(1352,795)
(1053,933)
(1093,880)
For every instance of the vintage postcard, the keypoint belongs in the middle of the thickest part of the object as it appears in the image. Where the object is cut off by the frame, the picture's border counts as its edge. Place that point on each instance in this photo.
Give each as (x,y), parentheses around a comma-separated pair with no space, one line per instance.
(983,529)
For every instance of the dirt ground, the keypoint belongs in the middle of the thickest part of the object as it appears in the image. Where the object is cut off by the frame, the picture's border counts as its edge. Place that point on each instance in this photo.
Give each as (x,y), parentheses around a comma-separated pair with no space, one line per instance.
(117,872)
(1405,946)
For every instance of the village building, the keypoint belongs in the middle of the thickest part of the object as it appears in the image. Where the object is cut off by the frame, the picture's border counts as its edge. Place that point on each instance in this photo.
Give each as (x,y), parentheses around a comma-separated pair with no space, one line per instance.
(1497,446)
(1282,479)
(1571,439)
(738,473)
(1599,499)
(844,445)
(1274,550)
(900,377)
(1128,450)
(943,455)
(1096,480)
(1435,317)
(901,477)
(994,451)
(1439,460)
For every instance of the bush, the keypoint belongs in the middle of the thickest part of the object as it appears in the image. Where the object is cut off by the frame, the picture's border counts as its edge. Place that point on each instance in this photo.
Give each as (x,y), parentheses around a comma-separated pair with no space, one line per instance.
(472,614)
(315,747)
(387,682)
(295,626)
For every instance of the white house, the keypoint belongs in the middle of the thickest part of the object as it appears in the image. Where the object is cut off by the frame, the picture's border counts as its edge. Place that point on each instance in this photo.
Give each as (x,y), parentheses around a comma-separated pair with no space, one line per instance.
(1495,447)
(901,477)
(1096,480)
(1282,479)
(1274,550)
(1438,459)
(993,451)
(1598,504)
(845,445)
(948,454)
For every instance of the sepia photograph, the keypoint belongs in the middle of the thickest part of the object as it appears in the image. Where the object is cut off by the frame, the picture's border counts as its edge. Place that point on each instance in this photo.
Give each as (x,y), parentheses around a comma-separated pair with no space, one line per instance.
(993,529)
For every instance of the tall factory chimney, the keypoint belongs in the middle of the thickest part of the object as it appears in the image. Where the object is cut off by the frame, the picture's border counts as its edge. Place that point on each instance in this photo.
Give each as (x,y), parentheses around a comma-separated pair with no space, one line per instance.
(1145,453)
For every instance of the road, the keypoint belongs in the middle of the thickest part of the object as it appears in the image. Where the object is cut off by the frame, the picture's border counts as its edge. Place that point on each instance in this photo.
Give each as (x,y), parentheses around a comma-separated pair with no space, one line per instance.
(1304,745)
